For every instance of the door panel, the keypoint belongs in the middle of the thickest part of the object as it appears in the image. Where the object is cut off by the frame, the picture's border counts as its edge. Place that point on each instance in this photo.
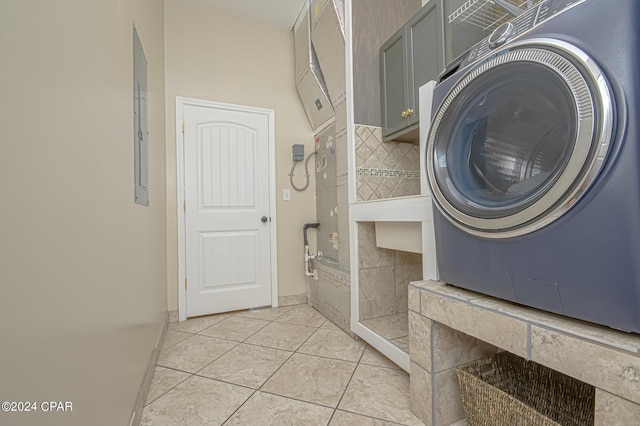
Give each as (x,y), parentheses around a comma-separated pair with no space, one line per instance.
(227,165)
(218,249)
(228,264)
(424,45)
(393,84)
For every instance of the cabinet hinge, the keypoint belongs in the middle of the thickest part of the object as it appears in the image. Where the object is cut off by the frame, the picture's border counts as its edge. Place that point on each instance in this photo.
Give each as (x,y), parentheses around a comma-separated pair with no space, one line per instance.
(185,283)
(183,127)
(184,205)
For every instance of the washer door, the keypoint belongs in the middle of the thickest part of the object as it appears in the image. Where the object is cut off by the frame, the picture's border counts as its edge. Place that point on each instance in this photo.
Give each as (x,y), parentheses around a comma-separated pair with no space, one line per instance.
(519,139)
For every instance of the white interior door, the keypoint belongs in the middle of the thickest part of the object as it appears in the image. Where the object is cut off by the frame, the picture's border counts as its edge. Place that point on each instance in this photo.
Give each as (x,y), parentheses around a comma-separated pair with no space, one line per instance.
(227,212)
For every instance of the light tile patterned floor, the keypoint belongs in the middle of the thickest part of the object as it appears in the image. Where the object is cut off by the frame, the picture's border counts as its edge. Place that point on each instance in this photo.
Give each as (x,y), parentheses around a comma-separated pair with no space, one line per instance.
(394,328)
(277,366)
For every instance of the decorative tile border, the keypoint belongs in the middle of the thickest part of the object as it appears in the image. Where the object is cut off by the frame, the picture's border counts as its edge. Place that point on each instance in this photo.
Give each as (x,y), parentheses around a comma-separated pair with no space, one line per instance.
(343,279)
(384,169)
(409,174)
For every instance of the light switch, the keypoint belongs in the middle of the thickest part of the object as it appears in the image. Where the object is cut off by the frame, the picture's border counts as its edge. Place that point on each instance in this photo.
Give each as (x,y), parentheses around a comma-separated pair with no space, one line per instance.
(286,194)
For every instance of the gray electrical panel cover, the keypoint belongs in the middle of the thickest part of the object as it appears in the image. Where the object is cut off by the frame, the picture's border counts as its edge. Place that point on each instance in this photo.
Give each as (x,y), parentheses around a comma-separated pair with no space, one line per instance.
(325,164)
(327,192)
(140,125)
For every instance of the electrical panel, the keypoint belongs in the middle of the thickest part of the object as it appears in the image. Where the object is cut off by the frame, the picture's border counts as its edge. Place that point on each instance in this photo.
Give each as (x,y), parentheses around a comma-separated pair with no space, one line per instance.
(327,192)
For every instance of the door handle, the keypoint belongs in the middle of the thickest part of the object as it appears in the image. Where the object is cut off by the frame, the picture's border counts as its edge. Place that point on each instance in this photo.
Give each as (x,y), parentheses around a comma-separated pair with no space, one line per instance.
(263,219)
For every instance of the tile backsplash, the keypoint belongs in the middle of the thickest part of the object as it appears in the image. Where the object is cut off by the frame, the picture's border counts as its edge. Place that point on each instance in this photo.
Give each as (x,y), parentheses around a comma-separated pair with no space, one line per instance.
(385,170)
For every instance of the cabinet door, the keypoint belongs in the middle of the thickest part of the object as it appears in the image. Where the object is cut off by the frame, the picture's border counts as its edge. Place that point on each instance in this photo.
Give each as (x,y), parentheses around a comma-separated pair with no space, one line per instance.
(425,52)
(393,82)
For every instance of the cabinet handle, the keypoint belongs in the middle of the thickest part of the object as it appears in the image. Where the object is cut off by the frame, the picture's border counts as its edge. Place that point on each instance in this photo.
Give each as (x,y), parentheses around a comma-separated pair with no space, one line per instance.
(404,114)
(409,112)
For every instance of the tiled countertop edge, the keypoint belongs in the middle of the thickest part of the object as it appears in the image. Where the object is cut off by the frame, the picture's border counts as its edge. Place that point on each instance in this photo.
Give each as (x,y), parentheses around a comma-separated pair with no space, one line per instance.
(622,341)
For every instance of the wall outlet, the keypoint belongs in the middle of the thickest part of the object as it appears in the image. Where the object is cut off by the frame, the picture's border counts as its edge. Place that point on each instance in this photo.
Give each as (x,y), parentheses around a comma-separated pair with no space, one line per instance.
(286,194)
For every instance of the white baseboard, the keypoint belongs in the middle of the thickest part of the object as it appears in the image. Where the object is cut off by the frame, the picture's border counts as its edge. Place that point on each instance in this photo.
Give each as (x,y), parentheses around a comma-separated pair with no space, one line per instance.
(136,415)
(294,299)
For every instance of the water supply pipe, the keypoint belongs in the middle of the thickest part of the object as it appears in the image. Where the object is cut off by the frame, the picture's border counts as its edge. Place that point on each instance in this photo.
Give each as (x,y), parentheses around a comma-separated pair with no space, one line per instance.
(308,271)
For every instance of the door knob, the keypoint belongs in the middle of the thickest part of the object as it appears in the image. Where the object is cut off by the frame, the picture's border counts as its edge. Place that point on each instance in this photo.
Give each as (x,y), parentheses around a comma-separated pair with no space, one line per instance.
(263,219)
(409,112)
(404,114)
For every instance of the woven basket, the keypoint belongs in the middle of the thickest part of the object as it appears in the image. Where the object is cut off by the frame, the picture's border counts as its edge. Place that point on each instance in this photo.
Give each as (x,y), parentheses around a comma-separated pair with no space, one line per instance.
(507,390)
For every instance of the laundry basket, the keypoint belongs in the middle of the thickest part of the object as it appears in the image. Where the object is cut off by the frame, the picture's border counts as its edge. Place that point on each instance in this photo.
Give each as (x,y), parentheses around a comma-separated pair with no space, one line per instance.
(507,390)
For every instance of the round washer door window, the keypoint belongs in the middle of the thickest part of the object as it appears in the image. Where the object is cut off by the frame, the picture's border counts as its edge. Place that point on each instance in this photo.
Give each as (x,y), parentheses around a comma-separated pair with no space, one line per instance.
(519,138)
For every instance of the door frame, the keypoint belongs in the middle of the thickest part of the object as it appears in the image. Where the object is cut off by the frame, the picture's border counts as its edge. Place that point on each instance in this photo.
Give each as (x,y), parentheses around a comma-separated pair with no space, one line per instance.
(182,102)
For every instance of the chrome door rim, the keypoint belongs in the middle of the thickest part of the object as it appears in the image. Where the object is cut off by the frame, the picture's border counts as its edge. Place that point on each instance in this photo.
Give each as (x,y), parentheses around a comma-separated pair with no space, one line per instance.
(585,161)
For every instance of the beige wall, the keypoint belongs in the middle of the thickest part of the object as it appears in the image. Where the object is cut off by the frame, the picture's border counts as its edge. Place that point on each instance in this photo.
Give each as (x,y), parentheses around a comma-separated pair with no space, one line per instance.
(219,57)
(82,268)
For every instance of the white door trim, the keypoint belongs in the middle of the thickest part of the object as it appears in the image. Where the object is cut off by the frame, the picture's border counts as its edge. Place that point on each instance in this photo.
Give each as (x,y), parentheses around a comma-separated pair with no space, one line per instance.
(182,102)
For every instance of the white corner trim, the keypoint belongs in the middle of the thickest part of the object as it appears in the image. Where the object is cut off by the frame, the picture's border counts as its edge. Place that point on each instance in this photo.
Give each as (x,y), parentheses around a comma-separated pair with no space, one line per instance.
(391,351)
(351,160)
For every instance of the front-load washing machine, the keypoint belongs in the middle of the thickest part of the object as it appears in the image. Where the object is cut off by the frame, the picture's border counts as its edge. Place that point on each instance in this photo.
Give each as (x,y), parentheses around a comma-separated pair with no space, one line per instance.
(533,159)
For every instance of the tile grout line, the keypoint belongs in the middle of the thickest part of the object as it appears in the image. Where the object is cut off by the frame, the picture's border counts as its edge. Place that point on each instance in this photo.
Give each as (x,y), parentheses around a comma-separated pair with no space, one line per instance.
(170,346)
(242,341)
(296,399)
(170,389)
(370,417)
(297,350)
(190,374)
(224,381)
(348,383)
(259,389)
(219,356)
(270,320)
(239,407)
(287,360)
(235,346)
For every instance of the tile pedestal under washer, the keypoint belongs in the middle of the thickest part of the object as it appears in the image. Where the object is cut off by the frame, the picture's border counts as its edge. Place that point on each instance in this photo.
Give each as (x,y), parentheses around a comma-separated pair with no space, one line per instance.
(533,158)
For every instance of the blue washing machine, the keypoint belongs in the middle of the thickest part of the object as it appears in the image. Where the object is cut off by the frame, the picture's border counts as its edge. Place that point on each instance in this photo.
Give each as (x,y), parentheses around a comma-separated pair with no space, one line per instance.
(533,159)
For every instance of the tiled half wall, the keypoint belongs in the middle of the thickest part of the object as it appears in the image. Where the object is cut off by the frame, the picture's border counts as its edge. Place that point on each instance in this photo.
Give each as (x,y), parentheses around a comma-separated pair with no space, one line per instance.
(384,275)
(385,170)
(449,327)
(330,294)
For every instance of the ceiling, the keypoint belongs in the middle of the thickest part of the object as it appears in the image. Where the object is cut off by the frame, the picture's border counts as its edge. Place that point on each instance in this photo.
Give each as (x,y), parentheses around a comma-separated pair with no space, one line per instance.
(281,13)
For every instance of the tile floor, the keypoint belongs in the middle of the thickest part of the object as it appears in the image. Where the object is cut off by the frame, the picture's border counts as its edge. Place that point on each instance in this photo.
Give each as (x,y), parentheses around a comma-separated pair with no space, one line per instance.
(275,366)
(394,328)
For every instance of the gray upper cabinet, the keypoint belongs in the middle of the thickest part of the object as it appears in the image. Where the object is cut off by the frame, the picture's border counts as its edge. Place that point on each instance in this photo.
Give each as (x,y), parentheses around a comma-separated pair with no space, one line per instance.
(410,58)
(393,73)
(374,21)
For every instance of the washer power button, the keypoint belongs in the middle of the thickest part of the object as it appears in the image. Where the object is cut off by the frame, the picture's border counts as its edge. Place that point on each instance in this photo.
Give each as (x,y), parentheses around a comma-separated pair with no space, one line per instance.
(500,35)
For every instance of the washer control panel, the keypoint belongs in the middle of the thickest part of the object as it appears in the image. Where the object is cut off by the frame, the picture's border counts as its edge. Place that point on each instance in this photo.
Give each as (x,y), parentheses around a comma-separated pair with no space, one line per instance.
(500,35)
(511,30)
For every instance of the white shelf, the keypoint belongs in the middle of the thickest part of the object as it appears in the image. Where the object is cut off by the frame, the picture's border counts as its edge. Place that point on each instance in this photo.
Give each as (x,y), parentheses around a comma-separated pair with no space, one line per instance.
(403,209)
